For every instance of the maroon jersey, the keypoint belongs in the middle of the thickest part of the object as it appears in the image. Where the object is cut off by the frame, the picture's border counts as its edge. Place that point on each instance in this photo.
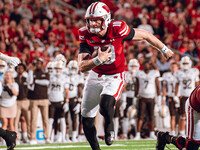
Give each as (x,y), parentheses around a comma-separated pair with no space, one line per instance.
(116,34)
(195,99)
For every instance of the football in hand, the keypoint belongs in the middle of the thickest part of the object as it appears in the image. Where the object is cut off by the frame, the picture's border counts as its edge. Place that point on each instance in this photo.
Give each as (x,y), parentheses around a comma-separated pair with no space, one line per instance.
(103,49)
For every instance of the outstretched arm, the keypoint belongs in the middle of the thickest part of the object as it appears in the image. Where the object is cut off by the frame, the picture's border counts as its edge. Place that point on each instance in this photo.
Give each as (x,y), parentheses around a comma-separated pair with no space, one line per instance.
(145,35)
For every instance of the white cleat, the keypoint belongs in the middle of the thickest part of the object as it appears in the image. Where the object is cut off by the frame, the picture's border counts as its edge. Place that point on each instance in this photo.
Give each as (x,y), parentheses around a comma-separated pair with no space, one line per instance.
(153,137)
(137,137)
(33,142)
(74,140)
(48,141)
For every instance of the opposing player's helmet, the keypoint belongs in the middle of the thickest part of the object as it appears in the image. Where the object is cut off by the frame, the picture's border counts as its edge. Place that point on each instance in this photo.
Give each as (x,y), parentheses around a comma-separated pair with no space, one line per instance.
(131,112)
(62,58)
(50,67)
(3,66)
(186,63)
(59,65)
(73,67)
(133,66)
(98,10)
(164,111)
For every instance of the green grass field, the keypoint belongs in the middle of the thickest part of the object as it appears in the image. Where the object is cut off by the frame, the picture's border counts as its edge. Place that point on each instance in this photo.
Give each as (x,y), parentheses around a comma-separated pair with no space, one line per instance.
(118,145)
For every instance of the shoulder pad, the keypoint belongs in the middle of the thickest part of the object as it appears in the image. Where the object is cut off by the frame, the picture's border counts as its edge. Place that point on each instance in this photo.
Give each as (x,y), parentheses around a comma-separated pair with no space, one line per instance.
(120,28)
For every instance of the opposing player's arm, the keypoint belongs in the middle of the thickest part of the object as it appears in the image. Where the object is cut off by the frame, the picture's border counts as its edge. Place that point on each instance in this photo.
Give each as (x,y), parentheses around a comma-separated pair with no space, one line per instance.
(67,94)
(145,35)
(136,87)
(157,85)
(80,90)
(164,91)
(14,61)
(176,89)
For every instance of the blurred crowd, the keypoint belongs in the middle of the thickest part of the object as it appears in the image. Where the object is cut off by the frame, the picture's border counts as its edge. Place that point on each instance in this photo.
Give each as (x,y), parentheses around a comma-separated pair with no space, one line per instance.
(36,31)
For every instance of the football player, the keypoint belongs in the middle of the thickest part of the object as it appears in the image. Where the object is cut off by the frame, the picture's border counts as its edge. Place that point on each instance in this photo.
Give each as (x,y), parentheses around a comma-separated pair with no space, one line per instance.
(58,84)
(187,80)
(9,136)
(147,86)
(133,67)
(50,68)
(105,82)
(75,93)
(169,81)
(192,142)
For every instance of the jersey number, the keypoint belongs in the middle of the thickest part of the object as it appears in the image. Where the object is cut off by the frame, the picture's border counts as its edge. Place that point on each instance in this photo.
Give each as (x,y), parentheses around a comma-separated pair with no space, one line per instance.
(172,86)
(55,87)
(146,82)
(71,87)
(130,87)
(187,84)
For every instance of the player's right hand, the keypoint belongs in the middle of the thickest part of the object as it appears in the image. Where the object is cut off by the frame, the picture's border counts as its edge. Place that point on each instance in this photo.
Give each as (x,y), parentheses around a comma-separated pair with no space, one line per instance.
(168,54)
(66,107)
(13,61)
(104,55)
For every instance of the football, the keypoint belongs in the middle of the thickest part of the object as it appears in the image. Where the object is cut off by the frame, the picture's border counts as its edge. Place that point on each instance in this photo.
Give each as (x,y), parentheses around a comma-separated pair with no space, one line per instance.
(103,49)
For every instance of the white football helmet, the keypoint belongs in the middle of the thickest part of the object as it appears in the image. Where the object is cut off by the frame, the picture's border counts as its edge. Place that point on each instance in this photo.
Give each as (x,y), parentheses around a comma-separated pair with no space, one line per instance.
(59,65)
(133,66)
(3,66)
(98,10)
(50,67)
(62,58)
(186,63)
(73,67)
(164,111)
(131,112)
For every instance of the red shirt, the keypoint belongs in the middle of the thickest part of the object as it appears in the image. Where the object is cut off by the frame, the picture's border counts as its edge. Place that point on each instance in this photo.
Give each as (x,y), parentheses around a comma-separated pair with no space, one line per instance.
(195,99)
(116,32)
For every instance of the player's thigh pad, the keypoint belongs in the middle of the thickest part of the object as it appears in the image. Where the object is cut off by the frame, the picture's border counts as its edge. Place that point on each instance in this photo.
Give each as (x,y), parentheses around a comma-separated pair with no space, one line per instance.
(193,122)
(113,85)
(91,95)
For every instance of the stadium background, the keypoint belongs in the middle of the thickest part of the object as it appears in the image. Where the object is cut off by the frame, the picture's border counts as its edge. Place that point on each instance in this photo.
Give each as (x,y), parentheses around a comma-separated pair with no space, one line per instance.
(31,29)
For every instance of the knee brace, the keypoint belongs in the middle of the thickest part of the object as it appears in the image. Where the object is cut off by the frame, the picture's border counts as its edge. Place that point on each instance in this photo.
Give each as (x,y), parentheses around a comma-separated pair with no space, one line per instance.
(88,122)
(107,104)
(179,142)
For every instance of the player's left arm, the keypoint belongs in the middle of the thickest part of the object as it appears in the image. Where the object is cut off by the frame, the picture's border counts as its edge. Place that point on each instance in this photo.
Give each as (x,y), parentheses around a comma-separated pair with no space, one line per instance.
(145,35)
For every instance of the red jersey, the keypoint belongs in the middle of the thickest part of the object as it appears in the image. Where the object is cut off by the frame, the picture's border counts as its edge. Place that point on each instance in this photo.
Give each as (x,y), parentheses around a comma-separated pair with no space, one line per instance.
(195,99)
(116,32)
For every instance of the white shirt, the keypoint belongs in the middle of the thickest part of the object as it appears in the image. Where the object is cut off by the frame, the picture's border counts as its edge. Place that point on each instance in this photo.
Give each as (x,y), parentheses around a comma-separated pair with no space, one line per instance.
(147,84)
(6,100)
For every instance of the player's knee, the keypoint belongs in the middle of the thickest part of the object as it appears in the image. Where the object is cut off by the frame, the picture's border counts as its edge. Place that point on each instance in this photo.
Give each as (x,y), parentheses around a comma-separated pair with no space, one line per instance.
(107,103)
(88,122)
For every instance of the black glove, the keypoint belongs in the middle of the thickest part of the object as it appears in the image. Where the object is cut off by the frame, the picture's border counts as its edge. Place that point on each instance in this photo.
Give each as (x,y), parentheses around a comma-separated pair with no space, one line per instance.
(6,88)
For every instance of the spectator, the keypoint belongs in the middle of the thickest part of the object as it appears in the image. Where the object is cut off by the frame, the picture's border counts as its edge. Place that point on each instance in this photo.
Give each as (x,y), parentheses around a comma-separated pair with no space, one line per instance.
(15,15)
(8,107)
(39,81)
(146,26)
(23,103)
(25,12)
(192,51)
(163,65)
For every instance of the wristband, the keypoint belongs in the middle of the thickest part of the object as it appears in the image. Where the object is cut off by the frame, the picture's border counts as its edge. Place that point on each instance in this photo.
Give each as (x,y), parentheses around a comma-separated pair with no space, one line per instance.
(97,61)
(164,50)
(67,101)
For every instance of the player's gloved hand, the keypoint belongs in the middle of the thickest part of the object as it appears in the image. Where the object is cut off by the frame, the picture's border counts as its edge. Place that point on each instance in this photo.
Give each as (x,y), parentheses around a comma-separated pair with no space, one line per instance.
(12,61)
(135,99)
(177,101)
(159,100)
(123,105)
(66,107)
(77,108)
